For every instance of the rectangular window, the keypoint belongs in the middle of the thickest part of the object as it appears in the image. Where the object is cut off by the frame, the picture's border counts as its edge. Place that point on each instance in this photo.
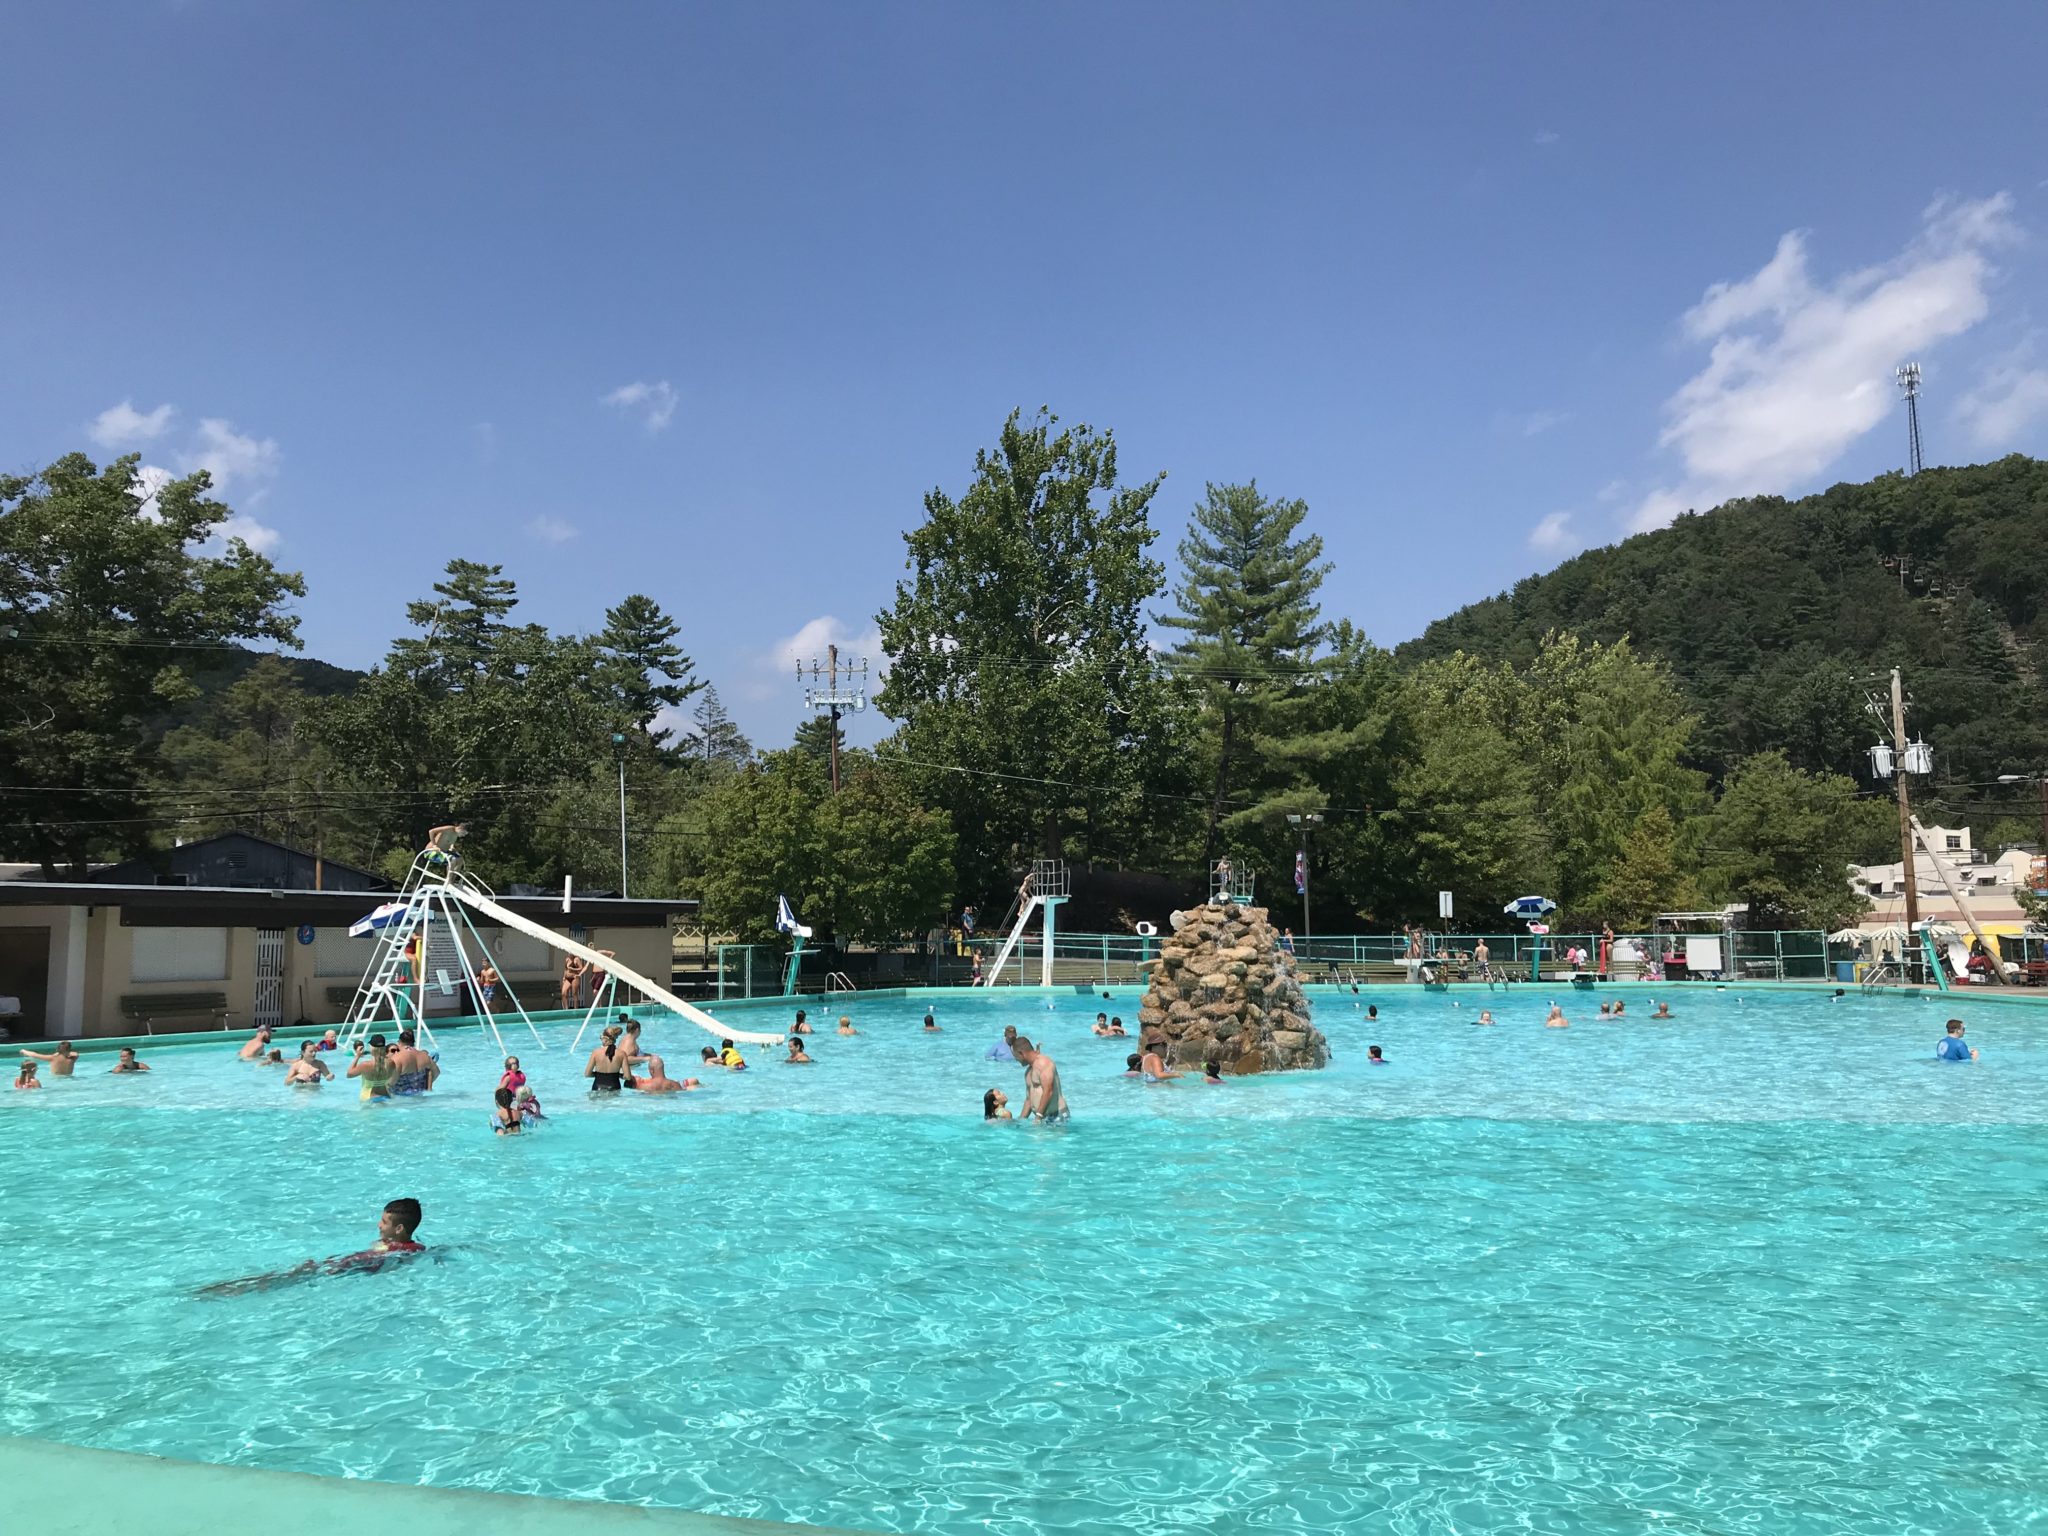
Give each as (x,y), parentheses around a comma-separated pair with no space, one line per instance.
(1955,840)
(336,954)
(179,954)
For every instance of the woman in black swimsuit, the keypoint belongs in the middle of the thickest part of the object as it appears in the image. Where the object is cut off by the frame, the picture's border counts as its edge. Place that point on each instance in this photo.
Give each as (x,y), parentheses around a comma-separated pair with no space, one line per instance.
(607,1066)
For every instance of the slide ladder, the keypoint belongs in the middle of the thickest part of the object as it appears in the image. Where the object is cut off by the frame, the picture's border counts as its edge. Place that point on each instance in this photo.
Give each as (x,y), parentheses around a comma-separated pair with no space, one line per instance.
(1934,958)
(1010,944)
(630,977)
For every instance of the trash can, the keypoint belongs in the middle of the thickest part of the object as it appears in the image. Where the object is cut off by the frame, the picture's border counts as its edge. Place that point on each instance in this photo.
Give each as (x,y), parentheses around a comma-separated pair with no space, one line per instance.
(1845,970)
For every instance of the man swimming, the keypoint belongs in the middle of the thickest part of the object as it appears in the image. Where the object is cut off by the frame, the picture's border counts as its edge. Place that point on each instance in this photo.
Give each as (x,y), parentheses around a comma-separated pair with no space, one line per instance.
(1002,1049)
(395,1243)
(1555,1019)
(254,1047)
(63,1061)
(1042,1095)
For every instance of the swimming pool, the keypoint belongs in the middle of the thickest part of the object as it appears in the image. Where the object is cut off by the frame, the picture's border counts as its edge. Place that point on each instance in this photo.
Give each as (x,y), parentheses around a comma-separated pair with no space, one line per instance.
(1766,1267)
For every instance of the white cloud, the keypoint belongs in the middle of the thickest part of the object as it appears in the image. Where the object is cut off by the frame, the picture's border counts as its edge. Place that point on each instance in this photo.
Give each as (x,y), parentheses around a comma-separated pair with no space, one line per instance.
(655,402)
(1798,369)
(123,426)
(149,479)
(1536,423)
(551,530)
(1547,137)
(1554,535)
(232,457)
(2008,402)
(260,537)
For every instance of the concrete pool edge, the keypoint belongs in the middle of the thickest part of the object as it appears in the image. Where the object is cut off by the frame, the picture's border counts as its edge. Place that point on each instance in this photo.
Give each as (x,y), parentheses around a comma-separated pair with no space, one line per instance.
(67,1490)
(833,1003)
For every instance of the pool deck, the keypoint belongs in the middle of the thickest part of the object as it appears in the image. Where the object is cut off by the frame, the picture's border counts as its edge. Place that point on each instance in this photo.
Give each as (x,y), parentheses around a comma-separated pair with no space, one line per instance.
(61,1490)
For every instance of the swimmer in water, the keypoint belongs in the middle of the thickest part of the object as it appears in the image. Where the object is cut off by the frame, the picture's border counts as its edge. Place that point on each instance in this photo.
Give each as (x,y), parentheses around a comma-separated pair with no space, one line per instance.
(1042,1094)
(801,1026)
(995,1105)
(1154,1066)
(1101,1024)
(126,1062)
(62,1062)
(798,1056)
(374,1066)
(1555,1019)
(1607,1010)
(513,1077)
(274,1059)
(1662,1011)
(1373,1058)
(730,1058)
(1485,1016)
(1134,1065)
(1116,1029)
(309,1071)
(254,1047)
(331,1041)
(931,1025)
(846,1026)
(1212,1070)
(528,1105)
(26,1077)
(1620,1006)
(1372,1010)
(607,1066)
(395,1243)
(505,1119)
(1953,1047)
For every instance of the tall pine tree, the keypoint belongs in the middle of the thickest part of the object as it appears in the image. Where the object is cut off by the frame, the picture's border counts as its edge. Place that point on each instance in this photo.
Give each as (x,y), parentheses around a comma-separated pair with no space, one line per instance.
(1253,628)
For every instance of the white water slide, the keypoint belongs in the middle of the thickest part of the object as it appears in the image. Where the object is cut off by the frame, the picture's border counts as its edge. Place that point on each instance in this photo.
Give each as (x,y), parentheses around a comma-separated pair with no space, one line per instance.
(632,978)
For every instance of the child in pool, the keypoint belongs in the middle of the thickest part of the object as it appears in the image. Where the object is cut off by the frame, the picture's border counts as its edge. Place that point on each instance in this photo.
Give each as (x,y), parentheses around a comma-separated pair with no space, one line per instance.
(529,1106)
(1134,1065)
(1373,1058)
(1663,1011)
(995,1105)
(730,1058)
(1485,1016)
(26,1077)
(1212,1070)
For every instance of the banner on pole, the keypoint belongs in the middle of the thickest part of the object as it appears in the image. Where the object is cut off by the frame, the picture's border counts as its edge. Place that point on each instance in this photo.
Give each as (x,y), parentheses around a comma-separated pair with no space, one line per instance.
(1301,874)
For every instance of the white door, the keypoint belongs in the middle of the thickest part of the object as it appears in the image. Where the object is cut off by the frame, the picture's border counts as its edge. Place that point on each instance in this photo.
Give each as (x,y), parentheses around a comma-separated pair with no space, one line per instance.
(269,977)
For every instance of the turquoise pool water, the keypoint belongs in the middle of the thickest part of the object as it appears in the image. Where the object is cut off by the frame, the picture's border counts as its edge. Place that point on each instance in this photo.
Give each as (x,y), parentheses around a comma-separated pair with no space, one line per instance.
(1765,1268)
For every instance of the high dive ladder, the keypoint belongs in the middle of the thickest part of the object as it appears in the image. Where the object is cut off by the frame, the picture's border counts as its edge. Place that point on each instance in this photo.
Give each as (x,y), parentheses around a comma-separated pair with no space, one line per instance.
(1044,889)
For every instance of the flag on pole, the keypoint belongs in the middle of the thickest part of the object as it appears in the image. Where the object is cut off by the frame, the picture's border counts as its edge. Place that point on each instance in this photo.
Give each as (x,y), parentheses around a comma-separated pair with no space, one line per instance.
(1301,874)
(382,917)
(785,920)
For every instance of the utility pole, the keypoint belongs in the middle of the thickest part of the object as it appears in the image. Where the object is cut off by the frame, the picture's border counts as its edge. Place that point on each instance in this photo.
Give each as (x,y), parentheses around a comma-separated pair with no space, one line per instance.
(1907,882)
(833,698)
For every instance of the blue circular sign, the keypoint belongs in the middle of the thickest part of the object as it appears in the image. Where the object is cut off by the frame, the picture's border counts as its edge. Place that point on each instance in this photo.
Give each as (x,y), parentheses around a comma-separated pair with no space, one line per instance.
(305,933)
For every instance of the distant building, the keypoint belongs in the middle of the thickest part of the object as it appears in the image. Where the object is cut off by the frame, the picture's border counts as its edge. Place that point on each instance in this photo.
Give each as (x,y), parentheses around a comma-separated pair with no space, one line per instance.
(231,932)
(1990,886)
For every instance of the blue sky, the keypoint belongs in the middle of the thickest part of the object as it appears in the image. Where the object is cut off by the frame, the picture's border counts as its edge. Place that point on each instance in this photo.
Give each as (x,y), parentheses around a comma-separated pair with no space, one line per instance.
(699,301)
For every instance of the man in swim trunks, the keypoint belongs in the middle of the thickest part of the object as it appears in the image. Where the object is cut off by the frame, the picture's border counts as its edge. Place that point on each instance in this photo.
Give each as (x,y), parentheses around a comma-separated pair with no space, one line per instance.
(1042,1095)
(126,1061)
(255,1045)
(1952,1046)
(440,849)
(63,1060)
(1482,961)
(417,1071)
(309,1071)
(1101,1025)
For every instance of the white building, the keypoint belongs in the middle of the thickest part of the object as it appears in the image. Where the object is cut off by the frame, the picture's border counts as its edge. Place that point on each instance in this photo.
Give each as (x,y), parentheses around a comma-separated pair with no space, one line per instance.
(1989,886)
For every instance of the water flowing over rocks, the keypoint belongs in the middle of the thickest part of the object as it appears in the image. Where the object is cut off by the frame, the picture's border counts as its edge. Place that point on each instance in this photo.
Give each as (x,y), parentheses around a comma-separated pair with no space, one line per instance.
(1223,987)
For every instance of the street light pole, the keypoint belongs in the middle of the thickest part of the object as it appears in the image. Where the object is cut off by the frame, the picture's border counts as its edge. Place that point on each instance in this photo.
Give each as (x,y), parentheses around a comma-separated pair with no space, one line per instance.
(1907,882)
(619,748)
(2039,781)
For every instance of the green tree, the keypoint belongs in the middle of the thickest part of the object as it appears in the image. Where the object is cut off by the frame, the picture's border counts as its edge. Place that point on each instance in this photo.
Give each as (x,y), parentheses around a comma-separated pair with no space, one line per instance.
(641,671)
(109,597)
(1252,630)
(715,738)
(1783,840)
(248,764)
(868,864)
(1644,878)
(1019,666)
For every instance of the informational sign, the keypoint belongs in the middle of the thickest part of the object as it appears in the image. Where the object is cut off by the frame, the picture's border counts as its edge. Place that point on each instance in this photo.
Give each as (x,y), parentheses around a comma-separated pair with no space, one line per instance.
(305,933)
(1443,904)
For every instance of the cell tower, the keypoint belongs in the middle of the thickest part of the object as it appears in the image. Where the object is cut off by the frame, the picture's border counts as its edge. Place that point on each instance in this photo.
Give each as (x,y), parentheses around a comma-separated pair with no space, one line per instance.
(1909,386)
(836,695)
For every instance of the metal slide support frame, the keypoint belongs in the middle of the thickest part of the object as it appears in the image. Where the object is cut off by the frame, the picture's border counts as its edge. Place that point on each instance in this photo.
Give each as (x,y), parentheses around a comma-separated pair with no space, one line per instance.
(485,950)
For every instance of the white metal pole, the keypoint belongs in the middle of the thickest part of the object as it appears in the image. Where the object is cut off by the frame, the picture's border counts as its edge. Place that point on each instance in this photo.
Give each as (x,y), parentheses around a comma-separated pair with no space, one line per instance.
(485,950)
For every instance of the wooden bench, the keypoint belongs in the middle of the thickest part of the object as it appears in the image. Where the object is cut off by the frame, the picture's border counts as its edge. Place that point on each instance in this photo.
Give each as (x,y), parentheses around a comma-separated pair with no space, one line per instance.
(145,1008)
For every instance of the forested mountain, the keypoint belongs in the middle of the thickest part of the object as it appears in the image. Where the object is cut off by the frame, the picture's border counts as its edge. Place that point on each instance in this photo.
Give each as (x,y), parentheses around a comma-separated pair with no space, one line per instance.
(1773,614)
